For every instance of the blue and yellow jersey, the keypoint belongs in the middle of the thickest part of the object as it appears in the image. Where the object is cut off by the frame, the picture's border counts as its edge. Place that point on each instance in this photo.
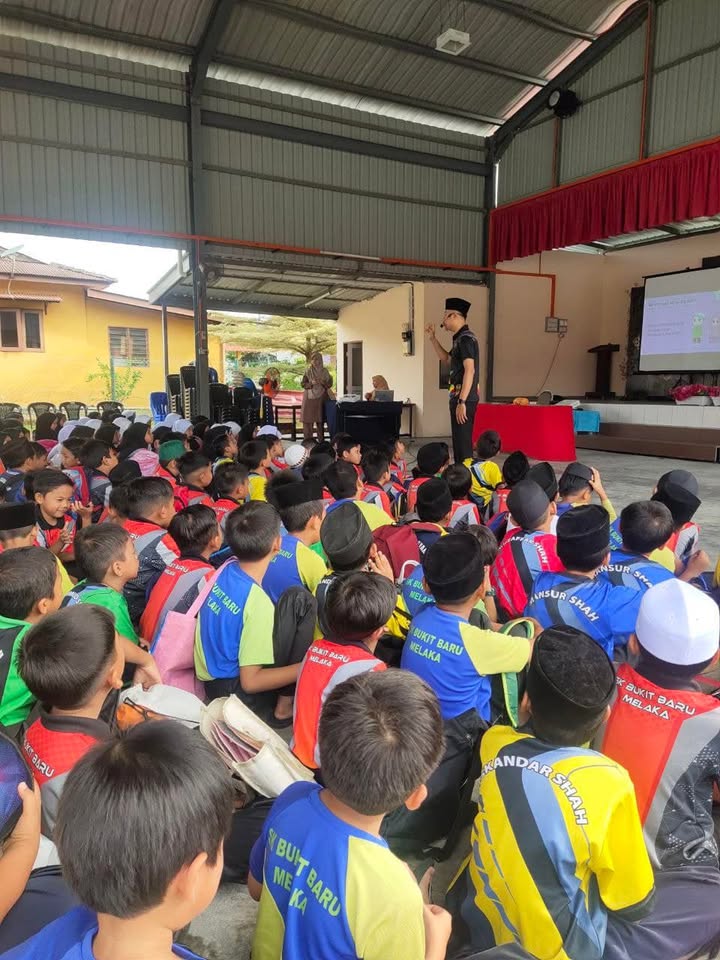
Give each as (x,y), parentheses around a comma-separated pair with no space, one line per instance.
(556,844)
(456,659)
(486,478)
(330,891)
(294,566)
(604,612)
(637,572)
(256,486)
(234,627)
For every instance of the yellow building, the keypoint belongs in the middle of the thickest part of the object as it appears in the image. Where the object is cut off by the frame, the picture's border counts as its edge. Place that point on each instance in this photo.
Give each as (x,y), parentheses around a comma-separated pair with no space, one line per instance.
(57,323)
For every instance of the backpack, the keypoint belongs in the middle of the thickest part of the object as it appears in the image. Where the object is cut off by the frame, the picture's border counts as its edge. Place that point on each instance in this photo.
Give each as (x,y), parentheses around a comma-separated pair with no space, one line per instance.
(399,542)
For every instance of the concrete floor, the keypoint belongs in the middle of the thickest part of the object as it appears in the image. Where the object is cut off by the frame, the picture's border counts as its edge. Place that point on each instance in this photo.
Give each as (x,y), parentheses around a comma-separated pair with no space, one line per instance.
(224,931)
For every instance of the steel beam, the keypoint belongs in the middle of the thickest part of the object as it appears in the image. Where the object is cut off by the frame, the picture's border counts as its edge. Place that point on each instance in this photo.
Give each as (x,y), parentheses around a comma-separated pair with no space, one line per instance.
(264,308)
(342,28)
(215,27)
(533,16)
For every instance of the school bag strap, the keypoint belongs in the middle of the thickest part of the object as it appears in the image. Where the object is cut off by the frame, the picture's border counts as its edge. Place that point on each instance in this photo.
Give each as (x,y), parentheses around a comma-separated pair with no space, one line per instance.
(205,592)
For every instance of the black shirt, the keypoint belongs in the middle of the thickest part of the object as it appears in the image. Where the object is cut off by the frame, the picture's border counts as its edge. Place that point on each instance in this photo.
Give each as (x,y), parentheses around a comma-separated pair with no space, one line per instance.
(465,347)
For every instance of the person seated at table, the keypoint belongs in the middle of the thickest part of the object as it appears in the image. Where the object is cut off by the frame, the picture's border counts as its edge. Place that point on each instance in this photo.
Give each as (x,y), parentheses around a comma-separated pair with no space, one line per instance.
(379,383)
(576,487)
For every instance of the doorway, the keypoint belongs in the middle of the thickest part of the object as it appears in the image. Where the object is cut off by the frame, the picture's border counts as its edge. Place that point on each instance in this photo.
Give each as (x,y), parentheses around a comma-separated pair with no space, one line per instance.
(353,367)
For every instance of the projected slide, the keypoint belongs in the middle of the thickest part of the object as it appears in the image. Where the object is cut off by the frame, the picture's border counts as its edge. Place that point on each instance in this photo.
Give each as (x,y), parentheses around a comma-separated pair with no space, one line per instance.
(681,322)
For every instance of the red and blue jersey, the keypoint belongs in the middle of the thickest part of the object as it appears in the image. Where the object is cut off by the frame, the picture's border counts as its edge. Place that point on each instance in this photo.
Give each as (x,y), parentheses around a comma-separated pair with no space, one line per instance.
(176,590)
(521,558)
(155,549)
(374,493)
(186,495)
(464,514)
(223,507)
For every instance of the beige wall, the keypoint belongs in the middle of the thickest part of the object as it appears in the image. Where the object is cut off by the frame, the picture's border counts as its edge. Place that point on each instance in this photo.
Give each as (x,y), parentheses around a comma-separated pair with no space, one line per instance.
(377,323)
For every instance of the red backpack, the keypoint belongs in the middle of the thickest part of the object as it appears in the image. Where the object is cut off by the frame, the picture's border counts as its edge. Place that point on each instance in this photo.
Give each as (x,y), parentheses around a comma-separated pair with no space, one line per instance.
(400,545)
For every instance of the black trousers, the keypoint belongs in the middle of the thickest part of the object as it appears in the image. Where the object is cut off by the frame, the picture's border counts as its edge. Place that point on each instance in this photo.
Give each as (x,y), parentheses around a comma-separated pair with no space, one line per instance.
(462,432)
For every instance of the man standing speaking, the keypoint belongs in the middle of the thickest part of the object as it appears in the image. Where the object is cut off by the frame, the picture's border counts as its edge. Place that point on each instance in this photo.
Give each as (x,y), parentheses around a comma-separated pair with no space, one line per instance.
(464,359)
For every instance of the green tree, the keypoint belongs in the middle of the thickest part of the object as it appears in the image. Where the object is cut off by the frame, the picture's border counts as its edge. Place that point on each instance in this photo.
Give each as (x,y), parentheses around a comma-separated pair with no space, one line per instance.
(271,334)
(117,384)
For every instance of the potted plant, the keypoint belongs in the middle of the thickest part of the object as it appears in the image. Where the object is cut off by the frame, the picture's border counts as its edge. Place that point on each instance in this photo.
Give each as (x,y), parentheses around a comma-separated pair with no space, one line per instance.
(693,394)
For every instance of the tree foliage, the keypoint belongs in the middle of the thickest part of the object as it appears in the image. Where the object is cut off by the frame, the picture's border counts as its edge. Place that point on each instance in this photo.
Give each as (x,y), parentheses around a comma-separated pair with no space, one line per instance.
(271,334)
(118,384)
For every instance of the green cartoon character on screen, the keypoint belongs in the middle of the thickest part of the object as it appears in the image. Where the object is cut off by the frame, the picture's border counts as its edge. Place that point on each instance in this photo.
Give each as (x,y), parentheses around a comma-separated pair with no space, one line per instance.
(697,330)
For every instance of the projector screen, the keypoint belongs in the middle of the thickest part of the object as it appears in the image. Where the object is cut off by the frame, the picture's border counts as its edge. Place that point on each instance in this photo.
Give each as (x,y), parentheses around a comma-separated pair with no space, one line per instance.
(681,322)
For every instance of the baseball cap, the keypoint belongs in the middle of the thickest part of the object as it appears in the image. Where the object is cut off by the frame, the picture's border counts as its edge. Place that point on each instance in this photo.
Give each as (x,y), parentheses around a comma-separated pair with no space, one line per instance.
(678,624)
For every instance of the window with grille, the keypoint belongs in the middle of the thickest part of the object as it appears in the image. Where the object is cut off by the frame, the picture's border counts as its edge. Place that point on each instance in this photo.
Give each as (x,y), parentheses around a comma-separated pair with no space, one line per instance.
(129,346)
(21,330)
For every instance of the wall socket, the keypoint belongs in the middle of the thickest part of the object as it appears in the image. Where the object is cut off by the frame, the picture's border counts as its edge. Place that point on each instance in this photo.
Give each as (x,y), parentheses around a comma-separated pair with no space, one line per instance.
(555,325)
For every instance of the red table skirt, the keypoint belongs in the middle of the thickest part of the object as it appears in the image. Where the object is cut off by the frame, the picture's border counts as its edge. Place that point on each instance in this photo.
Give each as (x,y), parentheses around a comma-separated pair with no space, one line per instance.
(542,433)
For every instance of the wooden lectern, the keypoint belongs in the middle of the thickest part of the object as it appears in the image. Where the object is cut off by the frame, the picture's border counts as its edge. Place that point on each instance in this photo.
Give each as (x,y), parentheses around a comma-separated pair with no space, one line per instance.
(603,355)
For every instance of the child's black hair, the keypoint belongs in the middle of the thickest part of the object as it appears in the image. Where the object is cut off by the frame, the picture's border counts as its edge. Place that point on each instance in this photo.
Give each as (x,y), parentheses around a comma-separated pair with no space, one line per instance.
(375,465)
(27,575)
(16,453)
(81,432)
(106,433)
(162,785)
(344,442)
(17,534)
(324,447)
(215,444)
(645,526)
(572,559)
(191,463)
(161,433)
(569,484)
(93,453)
(380,738)
(38,450)
(340,438)
(228,477)
(357,605)
(488,445)
(247,431)
(251,532)
(97,547)
(515,468)
(44,481)
(74,445)
(488,543)
(145,495)
(193,528)
(459,479)
(253,453)
(341,480)
(65,656)
(294,518)
(316,465)
(174,435)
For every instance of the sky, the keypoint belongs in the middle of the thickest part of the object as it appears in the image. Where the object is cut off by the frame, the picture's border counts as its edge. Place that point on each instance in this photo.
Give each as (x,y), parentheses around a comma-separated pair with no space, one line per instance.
(136,269)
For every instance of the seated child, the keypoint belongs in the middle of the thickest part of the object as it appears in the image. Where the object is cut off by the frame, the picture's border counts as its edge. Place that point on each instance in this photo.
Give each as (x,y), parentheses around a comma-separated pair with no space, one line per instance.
(645,527)
(150,508)
(576,487)
(434,509)
(171,870)
(220,445)
(194,477)
(196,534)
(349,451)
(357,607)
(70,662)
(18,528)
(71,465)
(52,492)
(455,658)
(432,460)
(120,477)
(256,458)
(98,460)
(683,504)
(580,595)
(30,588)
(40,460)
(376,470)
(380,739)
(545,477)
(486,474)
(235,650)
(169,453)
(271,435)
(344,484)
(557,845)
(515,469)
(527,551)
(18,458)
(231,487)
(301,509)
(464,511)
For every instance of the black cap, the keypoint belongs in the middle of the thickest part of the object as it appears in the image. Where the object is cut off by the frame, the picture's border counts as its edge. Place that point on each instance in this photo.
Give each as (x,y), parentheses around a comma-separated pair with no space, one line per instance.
(683,478)
(457,305)
(579,470)
(295,494)
(551,682)
(453,567)
(528,504)
(432,457)
(544,475)
(434,500)
(681,503)
(515,468)
(14,516)
(583,532)
(346,536)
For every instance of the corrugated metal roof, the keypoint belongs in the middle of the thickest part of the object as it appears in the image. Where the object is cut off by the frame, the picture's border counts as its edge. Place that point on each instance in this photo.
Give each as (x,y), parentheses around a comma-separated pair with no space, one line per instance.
(20,265)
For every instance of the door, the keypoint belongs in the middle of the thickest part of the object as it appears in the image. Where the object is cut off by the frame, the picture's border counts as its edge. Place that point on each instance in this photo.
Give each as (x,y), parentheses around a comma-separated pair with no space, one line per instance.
(353,367)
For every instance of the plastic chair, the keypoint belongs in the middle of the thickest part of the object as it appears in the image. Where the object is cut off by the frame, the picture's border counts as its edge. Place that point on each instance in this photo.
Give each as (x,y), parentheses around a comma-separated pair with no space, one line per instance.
(36,410)
(110,406)
(10,410)
(159,406)
(73,409)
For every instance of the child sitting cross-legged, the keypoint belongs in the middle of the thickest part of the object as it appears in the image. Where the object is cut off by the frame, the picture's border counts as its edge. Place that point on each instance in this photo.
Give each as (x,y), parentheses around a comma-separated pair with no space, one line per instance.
(464,511)
(195,476)
(71,662)
(327,884)
(197,536)
(231,487)
(301,508)
(159,801)
(357,607)
(30,589)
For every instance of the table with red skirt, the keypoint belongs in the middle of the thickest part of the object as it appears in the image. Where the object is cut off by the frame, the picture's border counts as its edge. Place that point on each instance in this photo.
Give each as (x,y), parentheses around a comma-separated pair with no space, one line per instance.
(542,433)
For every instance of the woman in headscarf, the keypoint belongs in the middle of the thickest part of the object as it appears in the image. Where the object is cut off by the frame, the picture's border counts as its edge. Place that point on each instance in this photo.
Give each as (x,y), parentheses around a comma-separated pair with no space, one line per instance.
(46,427)
(136,437)
(316,383)
(379,383)
(109,434)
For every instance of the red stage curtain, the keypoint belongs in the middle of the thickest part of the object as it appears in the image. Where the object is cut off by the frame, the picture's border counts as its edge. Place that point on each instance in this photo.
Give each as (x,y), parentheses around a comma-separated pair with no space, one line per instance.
(676,186)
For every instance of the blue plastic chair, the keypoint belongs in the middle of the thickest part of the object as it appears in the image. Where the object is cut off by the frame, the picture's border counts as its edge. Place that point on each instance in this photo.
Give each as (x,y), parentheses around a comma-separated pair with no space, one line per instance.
(159,406)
